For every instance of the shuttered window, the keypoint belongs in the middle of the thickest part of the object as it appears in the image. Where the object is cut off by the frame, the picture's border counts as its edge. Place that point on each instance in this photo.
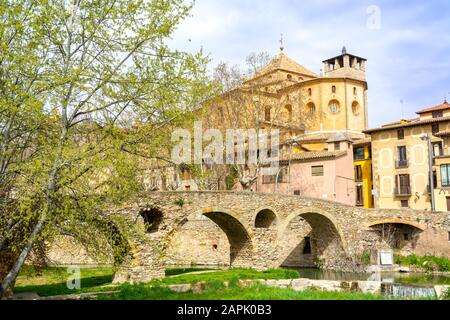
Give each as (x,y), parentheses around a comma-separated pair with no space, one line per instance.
(317,171)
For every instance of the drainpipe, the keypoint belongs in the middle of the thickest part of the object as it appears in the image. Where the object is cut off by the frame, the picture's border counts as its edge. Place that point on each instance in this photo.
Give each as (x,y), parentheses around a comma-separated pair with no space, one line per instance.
(430,168)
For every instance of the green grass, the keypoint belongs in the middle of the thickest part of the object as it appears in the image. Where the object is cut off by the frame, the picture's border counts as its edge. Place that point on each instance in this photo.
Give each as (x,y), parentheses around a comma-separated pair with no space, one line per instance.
(228,275)
(217,291)
(52,281)
(428,263)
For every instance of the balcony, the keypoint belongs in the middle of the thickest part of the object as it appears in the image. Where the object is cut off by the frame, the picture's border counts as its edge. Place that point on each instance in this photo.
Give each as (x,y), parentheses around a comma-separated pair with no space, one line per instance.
(402,191)
(400,164)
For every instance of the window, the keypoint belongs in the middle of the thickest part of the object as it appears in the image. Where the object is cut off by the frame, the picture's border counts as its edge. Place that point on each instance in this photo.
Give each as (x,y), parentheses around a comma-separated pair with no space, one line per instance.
(437,114)
(311,108)
(307,247)
(333,89)
(404,204)
(445,175)
(402,160)
(359,196)
(358,173)
(355,108)
(296,192)
(437,149)
(334,106)
(337,146)
(286,114)
(401,134)
(449,236)
(310,92)
(187,188)
(268,179)
(317,171)
(289,77)
(283,175)
(354,91)
(267,114)
(402,185)
(358,154)
(435,128)
(214,246)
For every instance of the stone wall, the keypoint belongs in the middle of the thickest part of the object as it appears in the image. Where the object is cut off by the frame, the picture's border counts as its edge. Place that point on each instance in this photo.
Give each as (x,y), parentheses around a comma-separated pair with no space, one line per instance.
(199,242)
(337,232)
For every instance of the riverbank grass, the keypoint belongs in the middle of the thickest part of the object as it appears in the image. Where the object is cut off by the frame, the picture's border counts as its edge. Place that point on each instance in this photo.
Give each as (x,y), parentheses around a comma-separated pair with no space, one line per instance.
(428,263)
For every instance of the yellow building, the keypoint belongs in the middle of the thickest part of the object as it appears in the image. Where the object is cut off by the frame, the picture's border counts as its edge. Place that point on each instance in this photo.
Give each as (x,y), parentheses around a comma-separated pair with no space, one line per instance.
(401,160)
(362,157)
(288,96)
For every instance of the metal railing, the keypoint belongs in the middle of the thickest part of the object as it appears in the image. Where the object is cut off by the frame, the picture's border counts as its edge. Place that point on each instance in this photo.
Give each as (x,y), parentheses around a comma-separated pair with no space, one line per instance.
(402,191)
(401,164)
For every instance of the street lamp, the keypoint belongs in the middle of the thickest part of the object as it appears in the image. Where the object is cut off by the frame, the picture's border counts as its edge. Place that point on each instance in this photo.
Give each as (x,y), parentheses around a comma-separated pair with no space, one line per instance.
(430,168)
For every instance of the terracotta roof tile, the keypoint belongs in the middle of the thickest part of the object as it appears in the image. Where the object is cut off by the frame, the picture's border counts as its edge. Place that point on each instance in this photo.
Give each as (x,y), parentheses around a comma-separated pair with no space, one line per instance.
(282,62)
(442,106)
(314,155)
(416,123)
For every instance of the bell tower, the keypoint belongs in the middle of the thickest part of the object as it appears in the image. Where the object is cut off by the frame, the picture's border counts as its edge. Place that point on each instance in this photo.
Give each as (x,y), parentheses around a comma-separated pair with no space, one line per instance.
(345,65)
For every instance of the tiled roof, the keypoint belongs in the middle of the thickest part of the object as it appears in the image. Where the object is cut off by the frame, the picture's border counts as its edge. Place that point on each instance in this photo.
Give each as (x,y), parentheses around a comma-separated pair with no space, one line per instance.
(362,141)
(314,137)
(414,123)
(442,133)
(442,106)
(282,62)
(340,137)
(314,155)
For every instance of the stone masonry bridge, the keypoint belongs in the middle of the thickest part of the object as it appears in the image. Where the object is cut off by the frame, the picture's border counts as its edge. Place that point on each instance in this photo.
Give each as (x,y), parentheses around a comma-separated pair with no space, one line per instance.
(256,223)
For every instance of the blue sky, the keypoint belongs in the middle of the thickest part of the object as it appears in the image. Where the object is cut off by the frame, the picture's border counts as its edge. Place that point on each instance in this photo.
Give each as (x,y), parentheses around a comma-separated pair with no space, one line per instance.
(408,47)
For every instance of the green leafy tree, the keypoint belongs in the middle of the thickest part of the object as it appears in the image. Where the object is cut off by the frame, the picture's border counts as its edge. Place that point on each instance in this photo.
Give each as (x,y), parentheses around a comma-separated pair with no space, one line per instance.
(97,85)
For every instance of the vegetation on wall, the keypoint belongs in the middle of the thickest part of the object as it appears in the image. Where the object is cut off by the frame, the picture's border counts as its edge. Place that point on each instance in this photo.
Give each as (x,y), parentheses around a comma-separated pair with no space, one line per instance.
(428,263)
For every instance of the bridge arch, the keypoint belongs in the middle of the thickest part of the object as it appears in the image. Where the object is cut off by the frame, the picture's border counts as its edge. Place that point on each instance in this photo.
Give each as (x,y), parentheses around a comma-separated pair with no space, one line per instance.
(323,244)
(266,218)
(239,236)
(397,233)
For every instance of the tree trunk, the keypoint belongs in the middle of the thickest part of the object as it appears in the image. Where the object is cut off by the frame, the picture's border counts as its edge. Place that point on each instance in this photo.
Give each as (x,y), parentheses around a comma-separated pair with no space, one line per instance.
(12,275)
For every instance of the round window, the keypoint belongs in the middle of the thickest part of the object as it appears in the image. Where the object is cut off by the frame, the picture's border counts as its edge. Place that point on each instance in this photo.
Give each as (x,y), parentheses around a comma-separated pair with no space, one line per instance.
(334,106)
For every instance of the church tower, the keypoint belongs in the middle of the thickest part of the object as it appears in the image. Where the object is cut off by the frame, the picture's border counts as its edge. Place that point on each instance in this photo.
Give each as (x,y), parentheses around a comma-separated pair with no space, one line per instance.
(346,66)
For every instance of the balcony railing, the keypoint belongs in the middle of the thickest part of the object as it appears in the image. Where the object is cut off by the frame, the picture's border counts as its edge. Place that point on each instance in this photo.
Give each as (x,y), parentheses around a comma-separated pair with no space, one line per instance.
(401,164)
(402,191)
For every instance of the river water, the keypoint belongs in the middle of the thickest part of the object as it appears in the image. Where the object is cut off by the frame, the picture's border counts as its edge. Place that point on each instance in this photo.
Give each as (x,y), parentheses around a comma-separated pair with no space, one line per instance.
(393,277)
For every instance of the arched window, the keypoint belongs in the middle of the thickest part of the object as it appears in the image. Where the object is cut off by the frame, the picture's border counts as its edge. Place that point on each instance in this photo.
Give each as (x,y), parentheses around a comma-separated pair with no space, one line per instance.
(355,108)
(265,219)
(354,91)
(267,114)
(289,77)
(311,108)
(334,106)
(286,114)
(333,89)
(310,92)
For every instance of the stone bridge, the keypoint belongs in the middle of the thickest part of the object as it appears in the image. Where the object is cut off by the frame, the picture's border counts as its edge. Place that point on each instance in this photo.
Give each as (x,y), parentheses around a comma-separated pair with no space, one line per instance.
(256,225)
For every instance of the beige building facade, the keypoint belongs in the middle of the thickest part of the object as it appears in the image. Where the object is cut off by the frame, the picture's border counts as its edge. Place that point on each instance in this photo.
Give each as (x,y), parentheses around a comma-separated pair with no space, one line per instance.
(401,174)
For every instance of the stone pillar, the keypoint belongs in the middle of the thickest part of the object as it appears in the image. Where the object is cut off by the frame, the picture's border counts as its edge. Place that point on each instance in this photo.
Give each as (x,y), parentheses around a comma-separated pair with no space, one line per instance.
(346,61)
(144,263)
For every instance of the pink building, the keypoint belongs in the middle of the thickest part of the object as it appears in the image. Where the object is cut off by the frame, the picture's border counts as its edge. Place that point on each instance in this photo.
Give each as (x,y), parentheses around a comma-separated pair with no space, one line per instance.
(325,174)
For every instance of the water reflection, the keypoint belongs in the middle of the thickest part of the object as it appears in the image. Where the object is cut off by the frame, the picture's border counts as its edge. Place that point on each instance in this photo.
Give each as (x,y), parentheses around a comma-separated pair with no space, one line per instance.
(392,277)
